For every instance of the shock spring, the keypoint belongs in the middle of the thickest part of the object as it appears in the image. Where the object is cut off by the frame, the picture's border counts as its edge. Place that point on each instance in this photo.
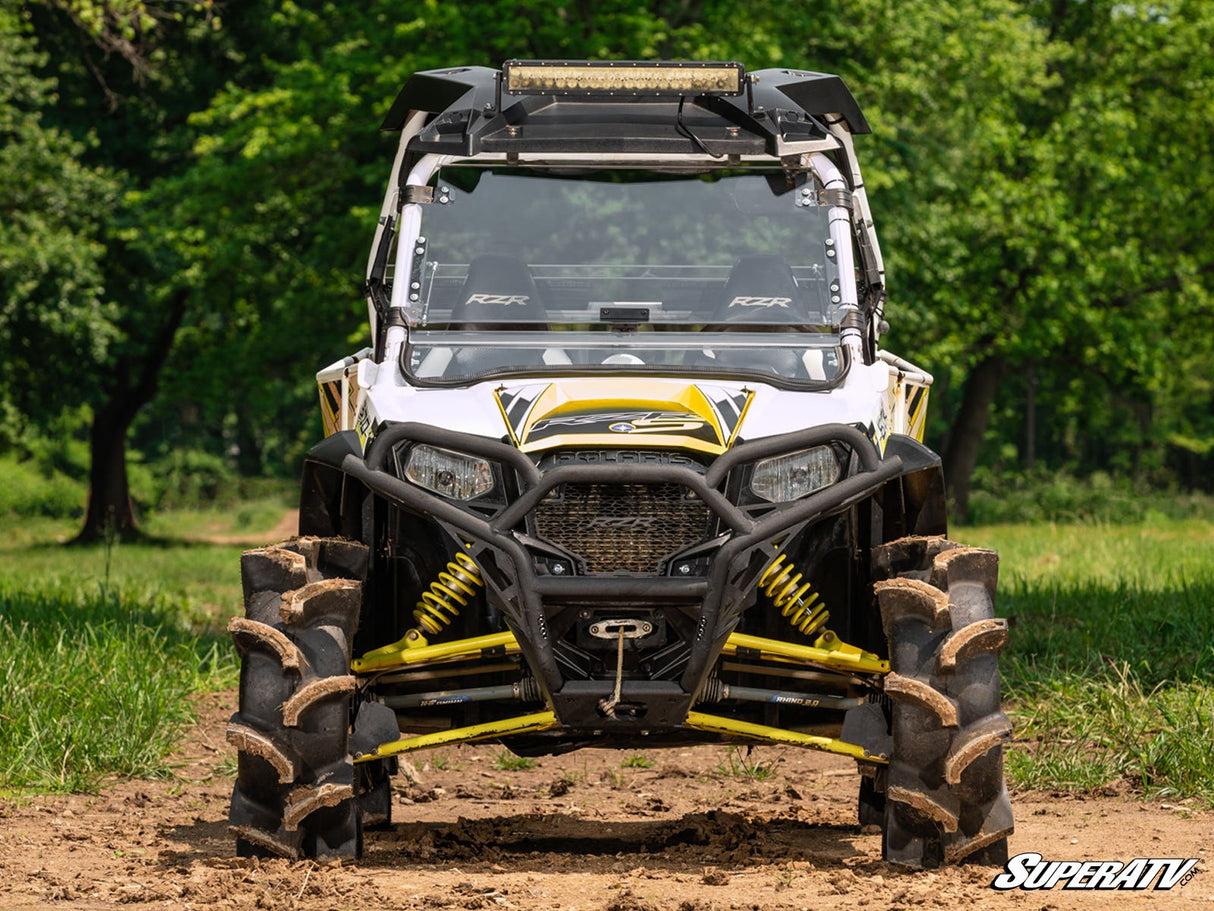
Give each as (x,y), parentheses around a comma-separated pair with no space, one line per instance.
(797,600)
(454,588)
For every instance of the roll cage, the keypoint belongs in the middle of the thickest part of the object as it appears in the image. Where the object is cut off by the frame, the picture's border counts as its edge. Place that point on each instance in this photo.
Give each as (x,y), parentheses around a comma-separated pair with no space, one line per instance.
(800,121)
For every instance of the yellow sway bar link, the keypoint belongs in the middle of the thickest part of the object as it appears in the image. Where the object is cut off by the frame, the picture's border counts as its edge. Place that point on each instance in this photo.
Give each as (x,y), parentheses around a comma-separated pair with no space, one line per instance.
(402,654)
(731,726)
(522,724)
(827,651)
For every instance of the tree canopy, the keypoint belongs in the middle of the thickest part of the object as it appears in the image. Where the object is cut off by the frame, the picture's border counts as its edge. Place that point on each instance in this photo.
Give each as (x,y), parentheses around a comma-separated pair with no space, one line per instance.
(187,191)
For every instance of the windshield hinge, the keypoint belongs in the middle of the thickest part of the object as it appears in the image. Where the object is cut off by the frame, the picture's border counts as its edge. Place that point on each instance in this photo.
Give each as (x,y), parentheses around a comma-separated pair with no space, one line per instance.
(840,198)
(415,194)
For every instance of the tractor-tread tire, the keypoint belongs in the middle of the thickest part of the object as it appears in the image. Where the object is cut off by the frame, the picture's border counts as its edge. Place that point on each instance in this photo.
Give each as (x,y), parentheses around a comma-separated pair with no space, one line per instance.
(946,800)
(294,795)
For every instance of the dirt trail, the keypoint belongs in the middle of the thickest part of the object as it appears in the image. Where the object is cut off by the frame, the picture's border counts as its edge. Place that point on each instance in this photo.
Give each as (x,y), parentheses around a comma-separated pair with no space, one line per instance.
(287,527)
(582,831)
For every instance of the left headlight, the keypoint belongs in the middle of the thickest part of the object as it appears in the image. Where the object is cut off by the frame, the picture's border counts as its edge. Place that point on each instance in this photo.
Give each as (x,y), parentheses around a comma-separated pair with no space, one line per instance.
(450,474)
(796,475)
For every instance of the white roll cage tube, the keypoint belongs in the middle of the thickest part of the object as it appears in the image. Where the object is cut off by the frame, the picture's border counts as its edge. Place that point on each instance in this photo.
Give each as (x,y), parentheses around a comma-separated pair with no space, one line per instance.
(407,233)
(862,211)
(841,240)
(412,127)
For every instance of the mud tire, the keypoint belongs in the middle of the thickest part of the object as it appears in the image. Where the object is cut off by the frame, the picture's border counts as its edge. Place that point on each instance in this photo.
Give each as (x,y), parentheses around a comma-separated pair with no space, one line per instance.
(295,785)
(946,800)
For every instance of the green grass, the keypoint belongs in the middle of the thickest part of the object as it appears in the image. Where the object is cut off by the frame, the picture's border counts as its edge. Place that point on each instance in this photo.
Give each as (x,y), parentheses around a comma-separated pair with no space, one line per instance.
(203,577)
(102,646)
(505,761)
(741,762)
(1087,732)
(203,580)
(1109,671)
(637,761)
(1147,554)
(96,683)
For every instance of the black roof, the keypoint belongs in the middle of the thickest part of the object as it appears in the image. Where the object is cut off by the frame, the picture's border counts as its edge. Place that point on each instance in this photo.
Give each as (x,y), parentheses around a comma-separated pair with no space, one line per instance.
(473,115)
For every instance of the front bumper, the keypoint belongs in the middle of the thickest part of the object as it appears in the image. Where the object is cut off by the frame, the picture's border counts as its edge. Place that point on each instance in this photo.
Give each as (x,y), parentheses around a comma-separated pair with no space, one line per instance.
(529,600)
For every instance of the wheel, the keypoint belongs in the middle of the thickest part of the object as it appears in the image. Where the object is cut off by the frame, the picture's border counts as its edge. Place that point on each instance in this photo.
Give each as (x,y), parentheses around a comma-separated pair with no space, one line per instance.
(294,794)
(946,800)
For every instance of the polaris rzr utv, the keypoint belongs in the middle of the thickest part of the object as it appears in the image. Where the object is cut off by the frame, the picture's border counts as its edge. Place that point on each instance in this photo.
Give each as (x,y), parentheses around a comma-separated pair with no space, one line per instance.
(624,466)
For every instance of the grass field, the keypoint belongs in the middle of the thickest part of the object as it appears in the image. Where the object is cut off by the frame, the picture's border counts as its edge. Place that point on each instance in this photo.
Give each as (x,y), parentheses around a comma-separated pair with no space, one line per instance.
(1109,674)
(102,646)
(1110,668)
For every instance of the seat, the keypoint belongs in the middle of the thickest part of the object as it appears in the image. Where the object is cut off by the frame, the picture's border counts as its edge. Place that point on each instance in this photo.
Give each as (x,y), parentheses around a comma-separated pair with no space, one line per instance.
(761,288)
(499,293)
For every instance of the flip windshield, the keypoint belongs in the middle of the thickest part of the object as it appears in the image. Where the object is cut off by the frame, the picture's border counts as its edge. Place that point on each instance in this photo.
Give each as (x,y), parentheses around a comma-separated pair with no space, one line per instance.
(526,271)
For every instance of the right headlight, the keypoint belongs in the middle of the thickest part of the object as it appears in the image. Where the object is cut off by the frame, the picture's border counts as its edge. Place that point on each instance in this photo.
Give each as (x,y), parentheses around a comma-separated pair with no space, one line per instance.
(451,474)
(796,475)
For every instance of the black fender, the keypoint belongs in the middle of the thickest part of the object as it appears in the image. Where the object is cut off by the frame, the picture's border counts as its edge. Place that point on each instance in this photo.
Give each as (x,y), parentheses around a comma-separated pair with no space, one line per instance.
(914,501)
(331,502)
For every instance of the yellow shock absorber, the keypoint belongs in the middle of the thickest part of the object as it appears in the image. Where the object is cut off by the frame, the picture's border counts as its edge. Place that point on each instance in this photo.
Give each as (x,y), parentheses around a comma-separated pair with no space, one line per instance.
(796,599)
(454,588)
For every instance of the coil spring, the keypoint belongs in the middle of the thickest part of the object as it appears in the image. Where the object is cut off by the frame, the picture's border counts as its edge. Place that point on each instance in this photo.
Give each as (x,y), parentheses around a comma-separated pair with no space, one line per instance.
(797,601)
(455,588)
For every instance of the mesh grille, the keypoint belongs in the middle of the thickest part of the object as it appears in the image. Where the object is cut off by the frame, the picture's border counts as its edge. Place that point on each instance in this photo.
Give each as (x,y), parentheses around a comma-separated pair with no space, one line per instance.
(627,527)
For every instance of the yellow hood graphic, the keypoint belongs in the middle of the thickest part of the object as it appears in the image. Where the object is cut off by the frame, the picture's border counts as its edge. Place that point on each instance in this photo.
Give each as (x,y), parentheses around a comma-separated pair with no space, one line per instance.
(635,413)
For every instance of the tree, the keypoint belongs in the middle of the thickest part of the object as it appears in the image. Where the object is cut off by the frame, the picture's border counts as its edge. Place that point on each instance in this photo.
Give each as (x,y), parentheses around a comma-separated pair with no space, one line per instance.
(135,108)
(54,314)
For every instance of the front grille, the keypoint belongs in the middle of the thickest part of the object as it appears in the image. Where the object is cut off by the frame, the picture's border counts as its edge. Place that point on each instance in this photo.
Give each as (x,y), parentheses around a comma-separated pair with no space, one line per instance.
(628,527)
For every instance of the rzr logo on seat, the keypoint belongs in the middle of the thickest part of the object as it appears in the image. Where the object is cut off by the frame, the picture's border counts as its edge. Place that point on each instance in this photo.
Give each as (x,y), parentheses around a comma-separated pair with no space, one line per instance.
(622,523)
(498,300)
(765,302)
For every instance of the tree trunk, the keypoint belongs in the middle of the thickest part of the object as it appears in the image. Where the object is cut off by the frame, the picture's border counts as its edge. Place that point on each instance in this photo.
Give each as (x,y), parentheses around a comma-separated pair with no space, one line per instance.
(1030,421)
(966,433)
(110,512)
(132,384)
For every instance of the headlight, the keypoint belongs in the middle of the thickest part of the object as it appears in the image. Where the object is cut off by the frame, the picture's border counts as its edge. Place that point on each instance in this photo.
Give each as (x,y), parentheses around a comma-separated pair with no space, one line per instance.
(448,473)
(791,477)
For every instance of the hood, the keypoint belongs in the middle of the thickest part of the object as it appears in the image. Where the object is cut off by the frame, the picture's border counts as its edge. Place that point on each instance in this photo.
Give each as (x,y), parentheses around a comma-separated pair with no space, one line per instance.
(624,412)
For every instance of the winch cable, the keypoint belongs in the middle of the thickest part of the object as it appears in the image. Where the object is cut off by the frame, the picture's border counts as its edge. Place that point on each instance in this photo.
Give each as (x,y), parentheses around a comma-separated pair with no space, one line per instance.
(608,705)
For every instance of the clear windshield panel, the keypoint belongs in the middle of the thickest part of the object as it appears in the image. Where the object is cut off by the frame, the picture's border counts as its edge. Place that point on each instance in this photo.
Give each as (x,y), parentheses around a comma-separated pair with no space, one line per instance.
(462,354)
(609,270)
(560,249)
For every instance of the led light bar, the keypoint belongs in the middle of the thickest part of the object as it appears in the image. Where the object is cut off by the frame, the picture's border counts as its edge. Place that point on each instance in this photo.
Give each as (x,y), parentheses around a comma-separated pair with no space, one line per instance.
(621,77)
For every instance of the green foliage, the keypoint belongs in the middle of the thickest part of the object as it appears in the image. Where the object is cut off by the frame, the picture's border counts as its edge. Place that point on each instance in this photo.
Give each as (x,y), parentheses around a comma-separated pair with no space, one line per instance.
(25,491)
(1049,496)
(53,484)
(505,761)
(95,684)
(52,206)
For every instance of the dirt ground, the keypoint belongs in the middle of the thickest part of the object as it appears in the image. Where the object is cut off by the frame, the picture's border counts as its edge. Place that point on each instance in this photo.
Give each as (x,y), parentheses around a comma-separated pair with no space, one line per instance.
(584,831)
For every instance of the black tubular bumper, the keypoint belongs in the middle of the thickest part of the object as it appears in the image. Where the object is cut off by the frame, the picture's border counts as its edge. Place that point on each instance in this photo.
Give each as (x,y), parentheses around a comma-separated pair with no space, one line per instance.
(521,594)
